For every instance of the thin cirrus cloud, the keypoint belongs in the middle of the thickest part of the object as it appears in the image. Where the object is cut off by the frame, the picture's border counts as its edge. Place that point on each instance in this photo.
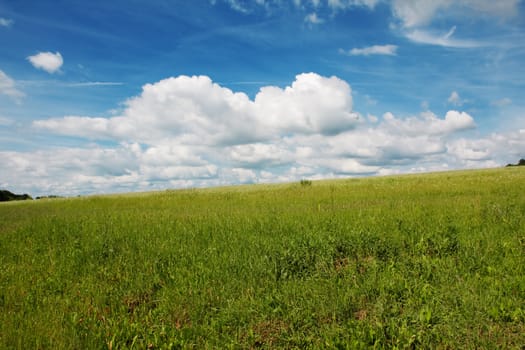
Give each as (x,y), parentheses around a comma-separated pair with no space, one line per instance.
(427,37)
(416,18)
(8,88)
(312,18)
(388,50)
(47,61)
(454,99)
(502,102)
(420,13)
(410,13)
(412,19)
(334,5)
(95,83)
(417,13)
(6,121)
(4,22)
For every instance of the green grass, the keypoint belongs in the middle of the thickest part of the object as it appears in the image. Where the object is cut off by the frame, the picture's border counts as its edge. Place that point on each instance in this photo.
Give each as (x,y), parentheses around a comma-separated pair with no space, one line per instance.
(416,261)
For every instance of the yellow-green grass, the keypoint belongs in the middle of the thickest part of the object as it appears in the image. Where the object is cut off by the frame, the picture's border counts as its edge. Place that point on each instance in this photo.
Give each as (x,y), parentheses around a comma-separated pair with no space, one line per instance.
(415,261)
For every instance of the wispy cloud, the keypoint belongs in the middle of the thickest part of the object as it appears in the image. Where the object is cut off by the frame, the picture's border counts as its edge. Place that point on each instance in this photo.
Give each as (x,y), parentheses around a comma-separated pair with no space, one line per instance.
(313,19)
(95,83)
(237,6)
(502,102)
(454,99)
(8,88)
(416,18)
(345,4)
(421,36)
(4,22)
(388,50)
(269,5)
(6,121)
(48,61)
(414,14)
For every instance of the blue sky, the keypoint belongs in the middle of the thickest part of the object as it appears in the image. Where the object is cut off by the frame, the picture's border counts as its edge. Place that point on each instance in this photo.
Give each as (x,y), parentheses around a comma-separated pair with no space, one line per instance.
(119,96)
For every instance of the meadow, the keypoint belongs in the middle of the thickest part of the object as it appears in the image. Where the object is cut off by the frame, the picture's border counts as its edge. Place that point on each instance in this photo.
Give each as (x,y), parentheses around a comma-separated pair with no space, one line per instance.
(399,262)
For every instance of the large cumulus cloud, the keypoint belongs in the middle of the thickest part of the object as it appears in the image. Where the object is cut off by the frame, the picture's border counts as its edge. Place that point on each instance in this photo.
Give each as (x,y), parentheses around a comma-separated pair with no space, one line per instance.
(199,111)
(189,131)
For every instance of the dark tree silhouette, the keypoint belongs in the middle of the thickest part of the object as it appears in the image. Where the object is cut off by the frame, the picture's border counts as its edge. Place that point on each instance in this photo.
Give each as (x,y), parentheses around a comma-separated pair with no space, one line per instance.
(6,196)
(520,163)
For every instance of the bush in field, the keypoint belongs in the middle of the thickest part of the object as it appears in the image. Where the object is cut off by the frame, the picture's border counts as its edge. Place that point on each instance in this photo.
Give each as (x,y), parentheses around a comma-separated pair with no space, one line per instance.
(305,182)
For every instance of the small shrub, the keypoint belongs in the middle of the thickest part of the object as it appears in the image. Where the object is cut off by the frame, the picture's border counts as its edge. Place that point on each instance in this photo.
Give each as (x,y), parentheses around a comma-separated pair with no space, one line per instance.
(305,182)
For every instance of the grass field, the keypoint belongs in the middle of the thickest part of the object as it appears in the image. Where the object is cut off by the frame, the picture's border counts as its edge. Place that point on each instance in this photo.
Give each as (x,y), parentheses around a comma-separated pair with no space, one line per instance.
(414,261)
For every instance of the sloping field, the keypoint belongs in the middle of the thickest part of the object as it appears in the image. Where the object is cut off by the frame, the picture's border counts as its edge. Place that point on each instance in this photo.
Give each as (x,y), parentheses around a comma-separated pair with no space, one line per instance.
(418,261)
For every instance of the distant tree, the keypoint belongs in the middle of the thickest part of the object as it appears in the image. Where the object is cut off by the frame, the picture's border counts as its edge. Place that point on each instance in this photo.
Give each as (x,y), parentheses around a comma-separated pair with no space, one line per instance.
(52,196)
(6,196)
(520,163)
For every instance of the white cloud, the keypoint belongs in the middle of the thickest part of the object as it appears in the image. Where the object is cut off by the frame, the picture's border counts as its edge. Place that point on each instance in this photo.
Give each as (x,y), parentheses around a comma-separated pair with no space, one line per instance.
(422,36)
(67,170)
(495,149)
(334,5)
(372,118)
(48,61)
(313,19)
(429,124)
(178,172)
(312,104)
(454,99)
(397,141)
(500,8)
(8,88)
(260,155)
(6,121)
(189,131)
(502,102)
(170,153)
(88,127)
(176,107)
(78,170)
(4,22)
(421,12)
(347,166)
(416,18)
(95,83)
(345,4)
(389,50)
(416,13)
(241,175)
(370,101)
(469,150)
(236,6)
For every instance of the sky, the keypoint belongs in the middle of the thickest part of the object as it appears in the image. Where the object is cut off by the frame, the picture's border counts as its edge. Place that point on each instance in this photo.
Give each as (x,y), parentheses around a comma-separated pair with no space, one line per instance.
(122,96)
